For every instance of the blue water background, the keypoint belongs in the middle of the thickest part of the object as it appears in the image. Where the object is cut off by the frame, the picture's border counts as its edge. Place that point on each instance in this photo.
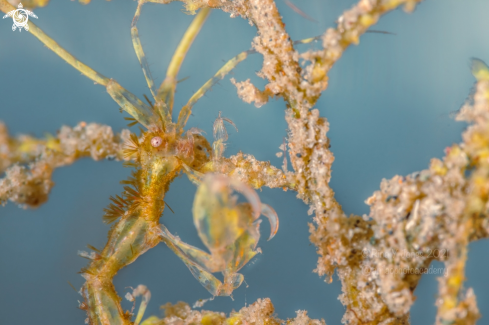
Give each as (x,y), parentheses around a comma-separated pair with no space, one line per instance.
(388,103)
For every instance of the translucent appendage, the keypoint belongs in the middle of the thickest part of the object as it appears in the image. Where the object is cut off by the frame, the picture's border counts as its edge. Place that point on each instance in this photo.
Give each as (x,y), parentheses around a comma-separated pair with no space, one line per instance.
(133,105)
(195,260)
(138,48)
(243,250)
(188,253)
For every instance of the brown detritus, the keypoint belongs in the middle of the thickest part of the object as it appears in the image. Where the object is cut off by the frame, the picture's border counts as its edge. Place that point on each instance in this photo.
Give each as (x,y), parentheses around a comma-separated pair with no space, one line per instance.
(250,94)
(260,312)
(428,215)
(249,170)
(29,162)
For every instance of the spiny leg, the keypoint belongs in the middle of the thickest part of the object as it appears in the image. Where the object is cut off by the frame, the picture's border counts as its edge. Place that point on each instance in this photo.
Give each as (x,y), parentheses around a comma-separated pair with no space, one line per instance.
(138,48)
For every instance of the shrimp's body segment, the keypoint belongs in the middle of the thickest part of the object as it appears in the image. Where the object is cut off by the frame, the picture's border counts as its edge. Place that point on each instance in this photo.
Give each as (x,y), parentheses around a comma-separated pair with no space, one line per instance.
(138,228)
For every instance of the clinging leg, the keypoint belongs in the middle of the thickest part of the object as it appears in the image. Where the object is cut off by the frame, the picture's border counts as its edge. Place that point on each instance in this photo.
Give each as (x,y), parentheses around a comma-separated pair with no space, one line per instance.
(188,253)
(138,48)
(195,260)
(166,91)
(164,97)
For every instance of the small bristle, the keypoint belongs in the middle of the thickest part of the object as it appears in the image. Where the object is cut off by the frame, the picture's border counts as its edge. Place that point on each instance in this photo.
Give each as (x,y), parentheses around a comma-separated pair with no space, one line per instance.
(132,180)
(85,270)
(136,204)
(114,210)
(128,153)
(118,201)
(93,248)
(134,140)
(72,286)
(149,101)
(183,79)
(129,199)
(169,207)
(131,148)
(132,192)
(129,164)
(109,218)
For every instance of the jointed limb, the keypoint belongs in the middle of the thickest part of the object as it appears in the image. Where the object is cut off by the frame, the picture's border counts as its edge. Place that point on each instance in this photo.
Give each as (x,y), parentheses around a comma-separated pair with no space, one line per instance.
(164,97)
(166,92)
(143,113)
(230,65)
(188,252)
(139,49)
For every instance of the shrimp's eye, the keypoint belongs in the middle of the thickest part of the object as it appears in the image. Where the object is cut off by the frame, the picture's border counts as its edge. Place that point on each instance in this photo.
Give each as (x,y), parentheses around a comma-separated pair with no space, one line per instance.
(156,142)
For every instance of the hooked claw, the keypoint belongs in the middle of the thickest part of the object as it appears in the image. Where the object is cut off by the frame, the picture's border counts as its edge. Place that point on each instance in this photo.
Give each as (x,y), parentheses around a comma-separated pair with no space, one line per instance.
(272,216)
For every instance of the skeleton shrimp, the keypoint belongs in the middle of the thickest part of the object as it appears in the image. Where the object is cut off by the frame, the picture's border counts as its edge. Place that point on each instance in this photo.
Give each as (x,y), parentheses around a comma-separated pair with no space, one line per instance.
(230,230)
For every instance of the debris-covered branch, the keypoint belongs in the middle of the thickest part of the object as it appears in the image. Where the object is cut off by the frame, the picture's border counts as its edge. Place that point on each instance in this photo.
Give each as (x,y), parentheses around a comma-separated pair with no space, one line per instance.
(260,312)
(29,162)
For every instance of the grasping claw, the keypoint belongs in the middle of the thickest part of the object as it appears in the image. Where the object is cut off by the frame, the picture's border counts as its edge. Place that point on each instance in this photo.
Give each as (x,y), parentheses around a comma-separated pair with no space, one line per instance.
(229,230)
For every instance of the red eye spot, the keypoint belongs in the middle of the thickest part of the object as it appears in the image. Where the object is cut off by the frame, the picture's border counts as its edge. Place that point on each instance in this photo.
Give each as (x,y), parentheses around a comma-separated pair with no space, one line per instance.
(156,142)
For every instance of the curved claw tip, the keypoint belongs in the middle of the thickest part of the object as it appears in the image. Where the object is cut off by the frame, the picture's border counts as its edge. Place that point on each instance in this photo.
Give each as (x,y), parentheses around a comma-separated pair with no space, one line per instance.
(272,216)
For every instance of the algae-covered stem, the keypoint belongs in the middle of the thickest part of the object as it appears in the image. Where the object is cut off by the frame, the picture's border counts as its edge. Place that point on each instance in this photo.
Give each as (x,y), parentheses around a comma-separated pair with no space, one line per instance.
(308,143)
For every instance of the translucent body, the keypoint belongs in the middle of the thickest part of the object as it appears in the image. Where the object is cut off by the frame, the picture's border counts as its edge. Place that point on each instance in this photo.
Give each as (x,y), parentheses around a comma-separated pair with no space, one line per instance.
(229,230)
(139,210)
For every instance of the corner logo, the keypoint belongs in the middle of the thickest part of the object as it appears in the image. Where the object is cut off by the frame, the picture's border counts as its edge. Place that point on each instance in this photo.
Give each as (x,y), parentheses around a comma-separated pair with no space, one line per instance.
(20,17)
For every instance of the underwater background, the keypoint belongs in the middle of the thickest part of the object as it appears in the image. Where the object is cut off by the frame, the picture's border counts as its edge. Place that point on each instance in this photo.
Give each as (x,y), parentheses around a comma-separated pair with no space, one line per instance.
(389,104)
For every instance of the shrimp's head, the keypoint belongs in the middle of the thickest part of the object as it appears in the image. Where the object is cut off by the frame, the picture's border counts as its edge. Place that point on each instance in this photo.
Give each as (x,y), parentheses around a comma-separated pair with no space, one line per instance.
(157,146)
